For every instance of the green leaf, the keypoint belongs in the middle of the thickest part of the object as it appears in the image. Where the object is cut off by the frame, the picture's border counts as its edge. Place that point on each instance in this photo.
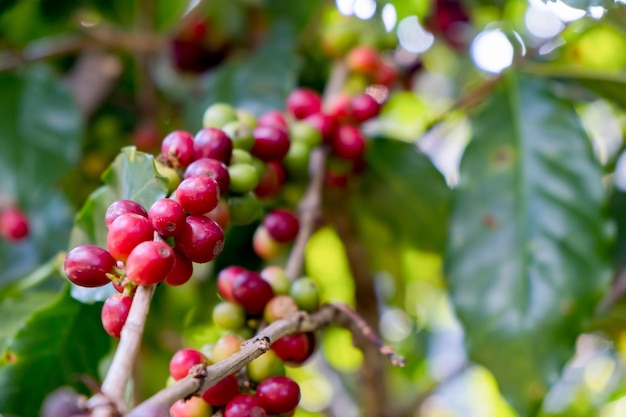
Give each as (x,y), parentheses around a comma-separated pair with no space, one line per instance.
(402,190)
(133,176)
(57,344)
(527,254)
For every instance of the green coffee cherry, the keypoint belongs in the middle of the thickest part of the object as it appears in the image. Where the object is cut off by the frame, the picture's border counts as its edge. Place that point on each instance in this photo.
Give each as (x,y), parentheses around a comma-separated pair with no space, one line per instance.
(218,115)
(229,316)
(243,178)
(277,279)
(265,366)
(241,135)
(305,133)
(306,294)
(244,208)
(240,157)
(247,118)
(297,159)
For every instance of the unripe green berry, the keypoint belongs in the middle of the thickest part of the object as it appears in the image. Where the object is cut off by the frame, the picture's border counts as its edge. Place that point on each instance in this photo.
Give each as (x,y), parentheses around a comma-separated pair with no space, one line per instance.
(305,133)
(241,157)
(247,118)
(229,316)
(218,115)
(244,208)
(243,178)
(170,174)
(240,134)
(265,366)
(260,166)
(277,279)
(297,159)
(306,294)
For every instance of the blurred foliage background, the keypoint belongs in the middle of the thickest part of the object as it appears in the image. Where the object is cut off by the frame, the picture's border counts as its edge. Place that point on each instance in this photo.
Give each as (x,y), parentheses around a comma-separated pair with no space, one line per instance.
(492,276)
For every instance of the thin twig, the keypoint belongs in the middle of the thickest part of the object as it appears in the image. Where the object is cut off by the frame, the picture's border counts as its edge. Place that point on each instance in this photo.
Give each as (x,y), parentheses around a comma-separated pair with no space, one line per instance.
(200,377)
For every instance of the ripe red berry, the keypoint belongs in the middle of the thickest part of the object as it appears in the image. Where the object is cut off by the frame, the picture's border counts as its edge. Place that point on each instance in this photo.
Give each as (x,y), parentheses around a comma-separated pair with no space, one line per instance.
(252,292)
(272,180)
(178,147)
(225,280)
(184,360)
(13,224)
(386,75)
(364,107)
(167,216)
(282,225)
(88,266)
(364,60)
(198,195)
(325,123)
(126,232)
(114,313)
(201,239)
(210,168)
(340,108)
(270,143)
(181,271)
(119,207)
(222,392)
(220,214)
(245,405)
(304,102)
(212,143)
(295,348)
(190,407)
(279,394)
(275,119)
(349,143)
(150,262)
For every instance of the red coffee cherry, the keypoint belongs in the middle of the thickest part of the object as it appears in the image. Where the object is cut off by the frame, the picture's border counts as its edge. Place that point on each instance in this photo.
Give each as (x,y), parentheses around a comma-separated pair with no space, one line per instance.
(279,394)
(364,107)
(13,224)
(126,232)
(201,240)
(184,360)
(191,407)
(340,108)
(222,392)
(225,280)
(178,147)
(114,313)
(270,143)
(245,405)
(88,266)
(119,207)
(274,119)
(364,60)
(325,123)
(167,216)
(303,102)
(198,195)
(181,271)
(150,262)
(271,183)
(210,168)
(212,143)
(282,225)
(294,349)
(349,143)
(252,292)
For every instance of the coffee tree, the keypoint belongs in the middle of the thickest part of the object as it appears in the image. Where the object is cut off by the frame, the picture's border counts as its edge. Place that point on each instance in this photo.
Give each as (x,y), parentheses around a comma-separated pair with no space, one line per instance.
(272,208)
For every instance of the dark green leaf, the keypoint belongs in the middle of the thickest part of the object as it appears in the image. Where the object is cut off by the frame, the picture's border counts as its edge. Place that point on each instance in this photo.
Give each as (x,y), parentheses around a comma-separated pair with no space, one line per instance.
(403,190)
(54,346)
(527,254)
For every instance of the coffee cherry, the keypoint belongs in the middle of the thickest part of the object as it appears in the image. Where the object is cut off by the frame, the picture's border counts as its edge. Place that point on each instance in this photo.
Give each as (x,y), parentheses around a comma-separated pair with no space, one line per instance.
(265,366)
(364,107)
(279,394)
(212,143)
(270,143)
(222,392)
(247,118)
(210,168)
(279,307)
(178,148)
(252,292)
(167,216)
(282,225)
(272,180)
(181,271)
(305,133)
(294,349)
(218,115)
(363,60)
(13,224)
(88,266)
(349,143)
(170,175)
(303,102)
(306,294)
(114,313)
(191,407)
(265,246)
(226,346)
(244,208)
(340,108)
(198,195)
(184,360)
(243,178)
(119,207)
(275,119)
(228,316)
(149,409)
(240,157)
(220,214)
(201,240)
(386,75)
(240,134)
(245,405)
(126,232)
(225,280)
(324,123)
(276,277)
(297,159)
(150,262)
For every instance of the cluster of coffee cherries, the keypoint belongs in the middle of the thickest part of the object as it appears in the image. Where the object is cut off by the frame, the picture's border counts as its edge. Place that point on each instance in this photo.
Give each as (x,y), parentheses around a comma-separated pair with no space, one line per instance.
(13,224)
(367,67)
(249,299)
